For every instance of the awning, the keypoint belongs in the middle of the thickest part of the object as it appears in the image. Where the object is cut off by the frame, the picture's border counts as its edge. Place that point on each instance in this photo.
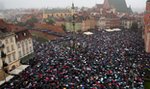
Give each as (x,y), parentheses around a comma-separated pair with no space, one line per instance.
(7,79)
(18,69)
(112,30)
(88,33)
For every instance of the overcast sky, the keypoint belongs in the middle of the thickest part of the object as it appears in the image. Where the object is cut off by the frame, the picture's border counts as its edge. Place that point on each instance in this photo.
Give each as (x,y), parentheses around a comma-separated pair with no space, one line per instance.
(7,4)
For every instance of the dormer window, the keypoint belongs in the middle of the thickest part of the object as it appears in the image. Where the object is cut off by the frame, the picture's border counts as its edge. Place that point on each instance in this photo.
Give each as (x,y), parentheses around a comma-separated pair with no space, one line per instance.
(24,34)
(17,36)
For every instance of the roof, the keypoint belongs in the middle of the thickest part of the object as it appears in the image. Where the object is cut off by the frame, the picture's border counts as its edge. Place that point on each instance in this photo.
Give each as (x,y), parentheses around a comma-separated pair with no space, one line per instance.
(22,35)
(3,24)
(119,5)
(15,28)
(4,33)
(6,29)
(127,17)
(53,28)
(57,11)
(130,10)
(99,5)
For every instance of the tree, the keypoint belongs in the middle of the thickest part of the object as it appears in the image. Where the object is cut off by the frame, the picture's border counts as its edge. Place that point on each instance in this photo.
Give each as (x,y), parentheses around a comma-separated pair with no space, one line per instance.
(21,24)
(30,22)
(50,21)
(64,27)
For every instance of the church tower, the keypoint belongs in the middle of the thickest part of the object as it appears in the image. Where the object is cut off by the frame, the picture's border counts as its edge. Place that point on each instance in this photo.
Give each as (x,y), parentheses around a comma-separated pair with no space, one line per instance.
(119,5)
(147,26)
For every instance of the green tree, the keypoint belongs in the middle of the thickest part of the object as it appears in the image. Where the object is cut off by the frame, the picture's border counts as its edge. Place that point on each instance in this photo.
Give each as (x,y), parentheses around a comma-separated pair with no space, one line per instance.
(21,24)
(50,21)
(30,22)
(64,27)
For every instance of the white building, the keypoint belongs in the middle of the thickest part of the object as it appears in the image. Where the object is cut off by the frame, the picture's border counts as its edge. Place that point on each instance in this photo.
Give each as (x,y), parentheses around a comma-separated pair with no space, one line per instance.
(101,23)
(24,44)
(15,45)
(126,21)
(10,49)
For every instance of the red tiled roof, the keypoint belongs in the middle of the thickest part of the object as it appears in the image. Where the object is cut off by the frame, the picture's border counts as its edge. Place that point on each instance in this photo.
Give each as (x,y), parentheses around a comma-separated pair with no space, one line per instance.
(3,24)
(43,35)
(21,33)
(49,27)
(15,28)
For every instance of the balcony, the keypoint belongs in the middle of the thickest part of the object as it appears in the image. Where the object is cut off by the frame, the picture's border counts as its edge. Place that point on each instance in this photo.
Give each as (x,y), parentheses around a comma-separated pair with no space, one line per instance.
(3,55)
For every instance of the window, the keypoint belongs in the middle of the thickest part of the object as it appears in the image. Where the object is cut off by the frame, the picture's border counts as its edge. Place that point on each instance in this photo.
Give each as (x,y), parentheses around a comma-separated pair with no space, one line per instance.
(17,36)
(27,50)
(18,45)
(9,59)
(8,50)
(24,34)
(30,49)
(6,41)
(12,47)
(20,54)
(11,39)
(30,41)
(26,43)
(14,57)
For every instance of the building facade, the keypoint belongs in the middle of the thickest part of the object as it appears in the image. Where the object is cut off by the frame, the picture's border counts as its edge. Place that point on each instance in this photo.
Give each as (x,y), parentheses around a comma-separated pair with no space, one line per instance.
(2,57)
(15,46)
(88,24)
(11,51)
(24,45)
(56,13)
(119,6)
(147,27)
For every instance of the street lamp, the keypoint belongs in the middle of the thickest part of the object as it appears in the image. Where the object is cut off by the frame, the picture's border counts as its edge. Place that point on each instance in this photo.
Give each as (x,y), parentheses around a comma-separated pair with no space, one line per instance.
(73,24)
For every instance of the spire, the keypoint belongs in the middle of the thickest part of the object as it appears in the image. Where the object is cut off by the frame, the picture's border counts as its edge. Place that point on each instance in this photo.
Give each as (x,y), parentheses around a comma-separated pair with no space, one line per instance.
(73,6)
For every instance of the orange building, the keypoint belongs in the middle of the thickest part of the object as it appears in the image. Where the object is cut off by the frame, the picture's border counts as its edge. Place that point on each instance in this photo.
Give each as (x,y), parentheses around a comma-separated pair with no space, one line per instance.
(147,27)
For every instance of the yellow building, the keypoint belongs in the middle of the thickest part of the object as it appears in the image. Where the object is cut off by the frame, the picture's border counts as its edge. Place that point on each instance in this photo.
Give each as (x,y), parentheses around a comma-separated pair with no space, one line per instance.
(88,24)
(57,13)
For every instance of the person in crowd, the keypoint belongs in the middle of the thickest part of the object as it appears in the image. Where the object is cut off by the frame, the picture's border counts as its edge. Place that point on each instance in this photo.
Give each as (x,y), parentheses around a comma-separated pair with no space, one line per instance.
(104,60)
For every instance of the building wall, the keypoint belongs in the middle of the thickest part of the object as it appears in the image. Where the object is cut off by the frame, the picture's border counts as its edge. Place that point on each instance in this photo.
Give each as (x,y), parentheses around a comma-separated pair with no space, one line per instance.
(88,24)
(101,23)
(127,23)
(57,15)
(113,23)
(147,27)
(69,26)
(60,23)
(147,42)
(11,52)
(25,47)
(1,64)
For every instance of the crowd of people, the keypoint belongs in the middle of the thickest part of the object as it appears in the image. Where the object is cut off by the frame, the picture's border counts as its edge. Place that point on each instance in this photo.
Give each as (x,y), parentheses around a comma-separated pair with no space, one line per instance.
(104,60)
